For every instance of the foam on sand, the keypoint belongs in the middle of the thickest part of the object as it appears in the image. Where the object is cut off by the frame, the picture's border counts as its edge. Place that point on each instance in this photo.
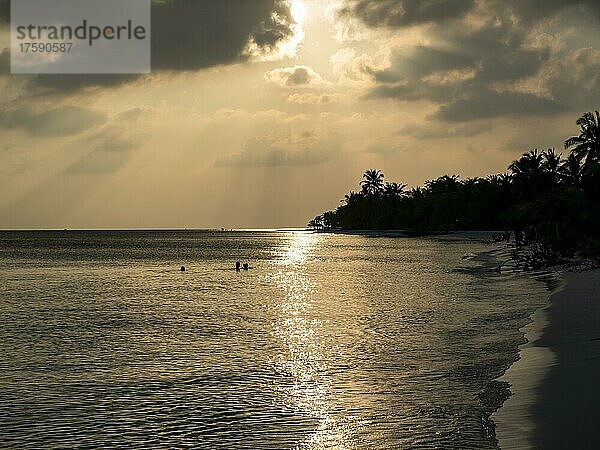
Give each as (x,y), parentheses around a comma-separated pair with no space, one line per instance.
(515,426)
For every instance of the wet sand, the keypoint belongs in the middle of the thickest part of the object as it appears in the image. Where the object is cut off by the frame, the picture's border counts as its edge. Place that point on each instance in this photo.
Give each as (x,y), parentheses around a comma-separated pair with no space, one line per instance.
(567,413)
(556,383)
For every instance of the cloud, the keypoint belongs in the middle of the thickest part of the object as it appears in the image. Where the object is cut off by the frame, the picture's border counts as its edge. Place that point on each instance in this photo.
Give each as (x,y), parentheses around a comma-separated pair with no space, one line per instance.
(433,130)
(297,76)
(495,59)
(107,156)
(111,147)
(574,79)
(61,121)
(407,13)
(533,10)
(4,11)
(190,35)
(464,61)
(43,84)
(401,13)
(264,152)
(483,103)
(4,61)
(310,98)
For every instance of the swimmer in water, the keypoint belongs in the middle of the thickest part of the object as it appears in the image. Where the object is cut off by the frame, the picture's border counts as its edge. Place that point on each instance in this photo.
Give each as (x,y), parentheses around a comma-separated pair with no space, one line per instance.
(182,269)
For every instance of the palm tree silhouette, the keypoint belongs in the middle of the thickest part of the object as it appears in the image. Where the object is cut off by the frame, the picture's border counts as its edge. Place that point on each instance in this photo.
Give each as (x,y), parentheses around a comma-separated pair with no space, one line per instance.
(503,180)
(570,170)
(528,164)
(586,146)
(351,198)
(551,204)
(372,183)
(394,189)
(551,165)
(551,160)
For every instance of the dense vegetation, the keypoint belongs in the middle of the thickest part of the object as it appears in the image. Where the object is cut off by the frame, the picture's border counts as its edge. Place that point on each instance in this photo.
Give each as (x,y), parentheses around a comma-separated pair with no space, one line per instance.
(549,203)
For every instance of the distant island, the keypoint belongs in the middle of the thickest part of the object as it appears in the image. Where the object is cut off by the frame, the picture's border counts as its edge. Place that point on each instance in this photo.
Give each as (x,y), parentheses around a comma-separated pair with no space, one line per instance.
(548,204)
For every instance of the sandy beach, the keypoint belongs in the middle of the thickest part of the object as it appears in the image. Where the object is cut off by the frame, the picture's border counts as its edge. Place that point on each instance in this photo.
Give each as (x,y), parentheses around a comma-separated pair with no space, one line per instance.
(555,383)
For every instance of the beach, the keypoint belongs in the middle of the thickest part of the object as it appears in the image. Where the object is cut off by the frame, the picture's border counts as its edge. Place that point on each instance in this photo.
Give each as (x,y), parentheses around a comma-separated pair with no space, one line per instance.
(554,384)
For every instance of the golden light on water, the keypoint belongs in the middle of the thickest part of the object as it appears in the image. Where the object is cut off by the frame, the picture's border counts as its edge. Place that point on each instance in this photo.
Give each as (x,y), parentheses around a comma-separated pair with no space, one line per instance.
(299,247)
(301,330)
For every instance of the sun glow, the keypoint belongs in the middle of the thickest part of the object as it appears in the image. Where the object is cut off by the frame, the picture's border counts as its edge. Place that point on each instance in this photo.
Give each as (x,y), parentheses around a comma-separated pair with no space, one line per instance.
(285,48)
(297,10)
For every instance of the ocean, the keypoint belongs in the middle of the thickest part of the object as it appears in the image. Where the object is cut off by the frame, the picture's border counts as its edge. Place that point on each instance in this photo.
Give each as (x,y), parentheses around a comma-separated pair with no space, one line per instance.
(328,341)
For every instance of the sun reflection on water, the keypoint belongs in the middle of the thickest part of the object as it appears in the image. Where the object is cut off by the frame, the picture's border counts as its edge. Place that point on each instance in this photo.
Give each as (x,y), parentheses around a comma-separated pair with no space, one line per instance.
(300,329)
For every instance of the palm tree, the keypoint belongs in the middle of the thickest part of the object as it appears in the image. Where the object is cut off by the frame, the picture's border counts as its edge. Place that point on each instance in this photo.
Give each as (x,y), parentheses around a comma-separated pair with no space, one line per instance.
(570,170)
(471,183)
(551,160)
(443,185)
(394,189)
(329,220)
(528,164)
(372,183)
(529,175)
(416,193)
(351,198)
(586,146)
(316,223)
(502,180)
(551,165)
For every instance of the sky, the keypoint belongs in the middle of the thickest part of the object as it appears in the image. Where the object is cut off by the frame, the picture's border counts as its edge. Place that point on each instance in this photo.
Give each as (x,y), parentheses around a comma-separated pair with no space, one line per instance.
(264,113)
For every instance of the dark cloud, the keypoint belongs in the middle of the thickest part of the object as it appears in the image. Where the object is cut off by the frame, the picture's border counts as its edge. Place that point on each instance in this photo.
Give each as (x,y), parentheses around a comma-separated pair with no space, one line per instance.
(420,61)
(405,13)
(493,53)
(4,11)
(479,71)
(71,83)
(533,10)
(499,51)
(483,103)
(261,152)
(432,130)
(300,76)
(4,61)
(294,76)
(190,35)
(61,121)
(574,80)
(402,13)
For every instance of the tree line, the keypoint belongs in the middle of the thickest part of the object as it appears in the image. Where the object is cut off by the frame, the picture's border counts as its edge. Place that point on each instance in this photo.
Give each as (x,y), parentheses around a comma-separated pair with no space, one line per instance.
(547,202)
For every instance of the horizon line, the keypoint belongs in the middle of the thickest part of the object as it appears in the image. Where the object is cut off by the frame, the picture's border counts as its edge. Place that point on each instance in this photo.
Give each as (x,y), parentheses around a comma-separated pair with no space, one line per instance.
(219,229)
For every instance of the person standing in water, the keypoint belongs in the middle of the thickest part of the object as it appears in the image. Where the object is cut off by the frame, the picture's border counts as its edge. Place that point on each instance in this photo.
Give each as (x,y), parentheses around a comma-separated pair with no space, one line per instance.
(237,266)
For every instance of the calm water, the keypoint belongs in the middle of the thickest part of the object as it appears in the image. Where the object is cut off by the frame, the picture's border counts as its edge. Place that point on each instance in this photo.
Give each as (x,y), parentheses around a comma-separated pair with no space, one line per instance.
(329,342)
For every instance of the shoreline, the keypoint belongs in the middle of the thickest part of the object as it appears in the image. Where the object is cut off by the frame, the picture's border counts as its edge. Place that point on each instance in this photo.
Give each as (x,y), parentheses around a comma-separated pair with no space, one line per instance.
(566,414)
(442,235)
(554,383)
(514,424)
